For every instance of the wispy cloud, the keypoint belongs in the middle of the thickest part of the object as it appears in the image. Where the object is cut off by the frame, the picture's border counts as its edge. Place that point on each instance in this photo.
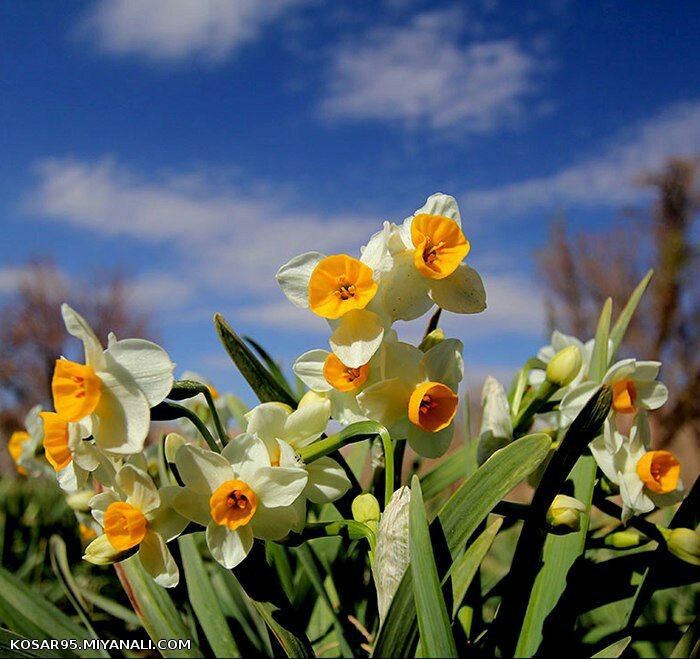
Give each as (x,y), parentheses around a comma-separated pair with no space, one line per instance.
(607,178)
(170,30)
(422,74)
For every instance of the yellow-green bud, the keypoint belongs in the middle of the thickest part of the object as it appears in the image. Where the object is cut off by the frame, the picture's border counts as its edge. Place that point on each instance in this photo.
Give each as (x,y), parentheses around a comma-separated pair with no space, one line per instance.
(80,501)
(432,339)
(684,544)
(365,509)
(625,539)
(565,512)
(564,366)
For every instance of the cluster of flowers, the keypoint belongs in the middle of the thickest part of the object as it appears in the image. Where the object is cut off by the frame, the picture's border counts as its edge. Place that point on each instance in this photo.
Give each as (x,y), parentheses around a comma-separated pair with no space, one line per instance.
(645,478)
(255,485)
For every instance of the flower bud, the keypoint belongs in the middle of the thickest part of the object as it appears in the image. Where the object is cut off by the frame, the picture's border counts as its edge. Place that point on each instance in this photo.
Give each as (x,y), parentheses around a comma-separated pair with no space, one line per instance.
(564,366)
(432,339)
(565,513)
(625,539)
(365,509)
(684,544)
(80,501)
(101,552)
(311,397)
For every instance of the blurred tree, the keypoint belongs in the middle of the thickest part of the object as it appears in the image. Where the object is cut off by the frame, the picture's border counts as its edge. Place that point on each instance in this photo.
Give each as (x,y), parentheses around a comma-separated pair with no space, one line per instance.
(32,334)
(581,272)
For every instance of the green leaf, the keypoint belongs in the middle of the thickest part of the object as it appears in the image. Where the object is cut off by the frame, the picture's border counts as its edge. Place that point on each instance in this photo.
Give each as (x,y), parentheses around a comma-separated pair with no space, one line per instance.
(450,470)
(59,564)
(600,359)
(464,569)
(614,649)
(433,621)
(527,560)
(271,365)
(7,637)
(460,517)
(111,607)
(558,556)
(617,334)
(204,602)
(29,613)
(152,604)
(689,645)
(261,381)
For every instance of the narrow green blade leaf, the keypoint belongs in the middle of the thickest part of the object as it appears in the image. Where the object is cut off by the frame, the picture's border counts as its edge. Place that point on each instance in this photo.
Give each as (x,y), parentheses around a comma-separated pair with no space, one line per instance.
(271,364)
(464,569)
(617,334)
(32,616)
(152,604)
(558,556)
(450,470)
(600,359)
(459,518)
(433,621)
(689,645)
(204,602)
(261,381)
(614,649)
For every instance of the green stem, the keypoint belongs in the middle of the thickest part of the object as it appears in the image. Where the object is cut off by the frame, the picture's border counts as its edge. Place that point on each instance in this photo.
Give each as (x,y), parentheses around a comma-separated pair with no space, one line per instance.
(525,416)
(220,430)
(197,423)
(388,467)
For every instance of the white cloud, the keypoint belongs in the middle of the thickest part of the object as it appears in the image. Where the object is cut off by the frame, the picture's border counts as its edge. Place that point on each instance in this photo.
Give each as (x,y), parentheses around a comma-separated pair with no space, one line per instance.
(159,291)
(422,74)
(606,178)
(171,30)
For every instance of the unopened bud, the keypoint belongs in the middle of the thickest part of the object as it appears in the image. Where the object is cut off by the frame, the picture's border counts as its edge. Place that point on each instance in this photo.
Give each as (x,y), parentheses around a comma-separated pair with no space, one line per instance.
(625,539)
(565,512)
(101,552)
(80,501)
(311,397)
(432,339)
(683,543)
(564,366)
(365,509)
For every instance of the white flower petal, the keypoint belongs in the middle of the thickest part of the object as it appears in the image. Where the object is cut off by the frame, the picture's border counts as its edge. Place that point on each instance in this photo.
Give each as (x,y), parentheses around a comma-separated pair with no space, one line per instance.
(634,500)
(651,394)
(306,423)
(274,523)
(575,400)
(122,418)
(401,360)
(193,506)
(309,369)
(166,521)
(138,488)
(376,253)
(147,363)
(293,277)
(385,402)
(357,337)
(327,481)
(430,444)
(158,561)
(100,502)
(441,204)
(605,459)
(404,290)
(229,548)
(202,470)
(621,370)
(647,370)
(444,363)
(78,327)
(461,292)
(266,421)
(247,448)
(277,486)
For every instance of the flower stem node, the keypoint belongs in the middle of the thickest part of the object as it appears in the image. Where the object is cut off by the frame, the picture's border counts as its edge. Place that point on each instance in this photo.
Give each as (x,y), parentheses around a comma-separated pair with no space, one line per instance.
(564,366)
(565,513)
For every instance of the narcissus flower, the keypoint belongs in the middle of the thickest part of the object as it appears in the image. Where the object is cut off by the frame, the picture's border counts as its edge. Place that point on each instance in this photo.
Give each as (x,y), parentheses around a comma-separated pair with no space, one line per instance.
(634,386)
(417,397)
(420,263)
(237,496)
(137,518)
(646,478)
(341,289)
(111,393)
(23,444)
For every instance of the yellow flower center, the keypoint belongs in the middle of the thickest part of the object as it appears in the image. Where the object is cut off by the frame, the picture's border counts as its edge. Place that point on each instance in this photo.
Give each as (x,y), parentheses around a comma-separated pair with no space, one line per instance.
(14,446)
(125,525)
(233,504)
(432,406)
(440,245)
(342,377)
(660,471)
(76,390)
(339,284)
(624,397)
(56,440)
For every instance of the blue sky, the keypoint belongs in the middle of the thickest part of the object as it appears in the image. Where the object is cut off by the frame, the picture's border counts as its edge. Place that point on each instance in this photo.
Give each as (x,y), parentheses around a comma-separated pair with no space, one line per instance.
(198,145)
